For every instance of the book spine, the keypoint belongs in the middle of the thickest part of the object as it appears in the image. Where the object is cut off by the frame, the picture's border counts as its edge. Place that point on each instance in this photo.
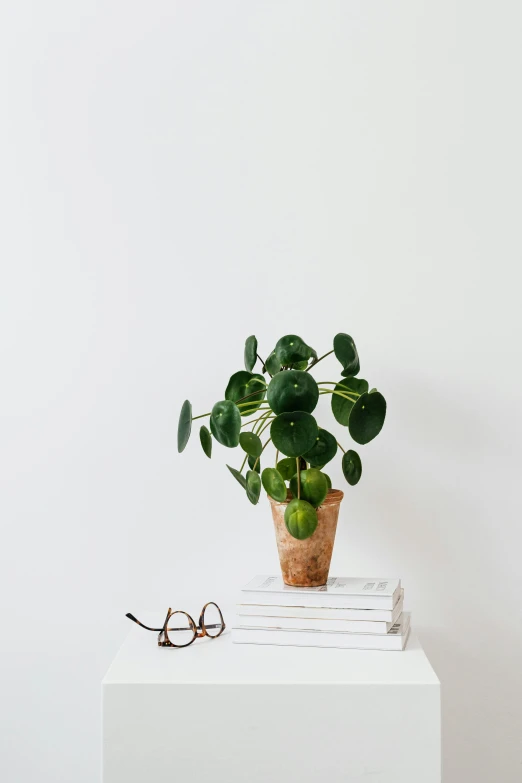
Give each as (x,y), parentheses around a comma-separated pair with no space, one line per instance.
(319,612)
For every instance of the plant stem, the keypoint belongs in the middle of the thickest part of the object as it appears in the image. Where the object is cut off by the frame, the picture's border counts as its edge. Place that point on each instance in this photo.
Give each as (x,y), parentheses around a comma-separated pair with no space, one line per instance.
(264,447)
(252,394)
(268,423)
(259,432)
(238,405)
(263,364)
(339,383)
(277,455)
(343,450)
(316,361)
(263,419)
(298,462)
(252,421)
(339,394)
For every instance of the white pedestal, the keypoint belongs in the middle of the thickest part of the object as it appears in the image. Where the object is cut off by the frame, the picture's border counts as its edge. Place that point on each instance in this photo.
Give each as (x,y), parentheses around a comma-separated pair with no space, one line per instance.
(250,714)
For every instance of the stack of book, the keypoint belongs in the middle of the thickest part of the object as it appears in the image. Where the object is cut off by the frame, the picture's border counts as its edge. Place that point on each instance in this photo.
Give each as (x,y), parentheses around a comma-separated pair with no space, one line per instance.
(352,613)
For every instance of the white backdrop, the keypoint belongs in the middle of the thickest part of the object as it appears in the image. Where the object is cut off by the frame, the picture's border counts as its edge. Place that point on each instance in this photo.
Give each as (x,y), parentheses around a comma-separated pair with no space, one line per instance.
(177,176)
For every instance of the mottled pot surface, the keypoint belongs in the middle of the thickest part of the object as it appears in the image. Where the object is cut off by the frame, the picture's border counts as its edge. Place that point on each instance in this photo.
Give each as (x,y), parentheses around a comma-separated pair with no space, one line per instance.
(307,563)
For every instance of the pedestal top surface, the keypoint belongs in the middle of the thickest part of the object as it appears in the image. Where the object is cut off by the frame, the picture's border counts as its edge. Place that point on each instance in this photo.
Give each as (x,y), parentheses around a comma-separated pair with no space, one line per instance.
(218,661)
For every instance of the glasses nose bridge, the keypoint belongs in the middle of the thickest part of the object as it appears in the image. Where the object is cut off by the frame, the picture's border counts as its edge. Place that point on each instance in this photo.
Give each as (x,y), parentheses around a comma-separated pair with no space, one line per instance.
(198,627)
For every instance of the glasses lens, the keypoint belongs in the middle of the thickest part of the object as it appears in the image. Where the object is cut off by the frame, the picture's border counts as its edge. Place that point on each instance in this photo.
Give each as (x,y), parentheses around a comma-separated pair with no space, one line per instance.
(180,630)
(212,620)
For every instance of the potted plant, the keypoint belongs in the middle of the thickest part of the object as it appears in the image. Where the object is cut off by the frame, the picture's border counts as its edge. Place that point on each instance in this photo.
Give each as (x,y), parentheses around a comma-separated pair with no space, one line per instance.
(282,398)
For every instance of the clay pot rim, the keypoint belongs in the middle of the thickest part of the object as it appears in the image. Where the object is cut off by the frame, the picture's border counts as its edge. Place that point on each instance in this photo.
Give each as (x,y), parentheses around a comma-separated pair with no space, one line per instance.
(333,497)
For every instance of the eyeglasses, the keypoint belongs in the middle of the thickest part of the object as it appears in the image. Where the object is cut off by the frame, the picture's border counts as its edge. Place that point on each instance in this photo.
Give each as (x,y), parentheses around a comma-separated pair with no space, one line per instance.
(180,630)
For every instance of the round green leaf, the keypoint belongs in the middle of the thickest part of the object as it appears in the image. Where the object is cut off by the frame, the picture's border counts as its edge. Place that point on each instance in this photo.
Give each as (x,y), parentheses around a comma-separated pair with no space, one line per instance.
(254,463)
(292,390)
(272,365)
(300,519)
(291,349)
(328,480)
(206,441)
(251,443)
(225,423)
(184,425)
(300,365)
(244,383)
(314,486)
(250,352)
(341,406)
(357,385)
(352,467)
(274,484)
(253,486)
(294,433)
(238,476)
(367,417)
(323,450)
(346,352)
(287,467)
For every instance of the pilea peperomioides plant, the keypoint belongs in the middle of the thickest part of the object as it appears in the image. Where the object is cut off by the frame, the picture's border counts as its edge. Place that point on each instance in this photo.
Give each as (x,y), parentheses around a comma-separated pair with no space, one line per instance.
(282,398)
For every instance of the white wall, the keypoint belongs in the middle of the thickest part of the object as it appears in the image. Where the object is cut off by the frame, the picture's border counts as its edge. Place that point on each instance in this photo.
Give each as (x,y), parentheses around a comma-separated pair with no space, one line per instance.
(177,176)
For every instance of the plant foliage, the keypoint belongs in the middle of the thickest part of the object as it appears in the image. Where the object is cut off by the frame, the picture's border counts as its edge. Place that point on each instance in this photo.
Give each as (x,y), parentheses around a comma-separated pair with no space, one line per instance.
(282,398)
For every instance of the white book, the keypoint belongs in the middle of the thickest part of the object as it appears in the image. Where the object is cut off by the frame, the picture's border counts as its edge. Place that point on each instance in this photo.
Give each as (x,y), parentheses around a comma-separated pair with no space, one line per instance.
(395,639)
(314,624)
(341,592)
(321,612)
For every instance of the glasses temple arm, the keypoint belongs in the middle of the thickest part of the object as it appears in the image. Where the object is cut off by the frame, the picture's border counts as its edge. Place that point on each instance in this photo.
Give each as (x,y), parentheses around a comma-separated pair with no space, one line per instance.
(134,620)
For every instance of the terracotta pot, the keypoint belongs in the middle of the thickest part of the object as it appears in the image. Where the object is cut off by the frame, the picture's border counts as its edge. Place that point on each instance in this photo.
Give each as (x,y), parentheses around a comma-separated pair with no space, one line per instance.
(307,563)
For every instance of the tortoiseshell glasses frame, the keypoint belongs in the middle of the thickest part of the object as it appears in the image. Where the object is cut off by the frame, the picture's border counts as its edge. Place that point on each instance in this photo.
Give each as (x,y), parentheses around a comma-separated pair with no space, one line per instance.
(198,631)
